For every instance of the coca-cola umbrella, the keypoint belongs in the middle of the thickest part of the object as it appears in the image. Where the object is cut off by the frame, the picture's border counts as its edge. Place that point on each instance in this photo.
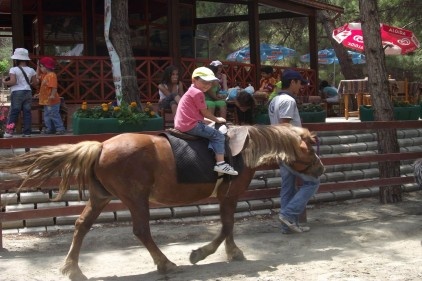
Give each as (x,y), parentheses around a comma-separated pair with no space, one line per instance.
(395,40)
(268,52)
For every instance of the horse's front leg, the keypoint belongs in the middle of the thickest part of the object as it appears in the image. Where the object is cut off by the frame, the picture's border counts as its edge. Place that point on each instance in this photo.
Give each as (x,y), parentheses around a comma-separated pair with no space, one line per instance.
(83,224)
(139,210)
(227,209)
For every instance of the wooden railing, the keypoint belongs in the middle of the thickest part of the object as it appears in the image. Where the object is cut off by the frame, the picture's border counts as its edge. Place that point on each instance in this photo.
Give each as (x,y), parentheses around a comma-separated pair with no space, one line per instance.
(11,185)
(90,79)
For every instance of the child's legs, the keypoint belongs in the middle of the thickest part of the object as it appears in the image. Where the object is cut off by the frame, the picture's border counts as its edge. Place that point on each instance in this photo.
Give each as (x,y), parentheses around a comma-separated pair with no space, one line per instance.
(55,117)
(47,119)
(52,119)
(173,108)
(17,100)
(215,137)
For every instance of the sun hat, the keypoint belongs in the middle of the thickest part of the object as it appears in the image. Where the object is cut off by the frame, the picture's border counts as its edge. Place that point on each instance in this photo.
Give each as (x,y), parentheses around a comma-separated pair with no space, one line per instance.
(20,54)
(48,62)
(216,63)
(204,73)
(290,74)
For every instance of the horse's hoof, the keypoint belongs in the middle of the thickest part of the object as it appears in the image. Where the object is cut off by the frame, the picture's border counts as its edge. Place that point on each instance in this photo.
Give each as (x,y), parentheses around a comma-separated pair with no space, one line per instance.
(77,277)
(196,256)
(236,255)
(73,272)
(167,267)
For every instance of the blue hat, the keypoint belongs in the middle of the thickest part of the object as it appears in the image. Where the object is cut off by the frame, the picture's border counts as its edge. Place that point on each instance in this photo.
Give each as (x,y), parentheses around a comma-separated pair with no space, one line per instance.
(290,74)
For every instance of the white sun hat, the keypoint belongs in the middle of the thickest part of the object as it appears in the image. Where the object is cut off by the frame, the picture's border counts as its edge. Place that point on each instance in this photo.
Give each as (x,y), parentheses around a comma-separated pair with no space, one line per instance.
(20,54)
(216,63)
(204,73)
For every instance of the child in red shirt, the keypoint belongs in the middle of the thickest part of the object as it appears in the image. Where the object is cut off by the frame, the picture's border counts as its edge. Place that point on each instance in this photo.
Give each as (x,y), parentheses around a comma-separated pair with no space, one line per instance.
(192,112)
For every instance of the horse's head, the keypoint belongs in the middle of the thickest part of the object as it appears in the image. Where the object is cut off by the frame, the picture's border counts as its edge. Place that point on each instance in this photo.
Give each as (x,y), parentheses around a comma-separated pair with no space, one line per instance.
(267,145)
(307,161)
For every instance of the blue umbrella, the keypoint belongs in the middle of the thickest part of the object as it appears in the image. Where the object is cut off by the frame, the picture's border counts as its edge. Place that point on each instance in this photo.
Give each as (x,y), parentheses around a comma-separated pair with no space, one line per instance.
(328,56)
(268,52)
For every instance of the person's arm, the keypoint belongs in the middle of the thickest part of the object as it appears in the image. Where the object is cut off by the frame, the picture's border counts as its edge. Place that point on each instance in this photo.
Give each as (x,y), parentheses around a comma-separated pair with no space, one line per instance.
(53,93)
(34,81)
(11,81)
(210,116)
(164,89)
(224,81)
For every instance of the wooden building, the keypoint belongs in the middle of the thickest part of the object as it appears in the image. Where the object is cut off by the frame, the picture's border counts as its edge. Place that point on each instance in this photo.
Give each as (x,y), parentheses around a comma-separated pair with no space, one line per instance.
(163,32)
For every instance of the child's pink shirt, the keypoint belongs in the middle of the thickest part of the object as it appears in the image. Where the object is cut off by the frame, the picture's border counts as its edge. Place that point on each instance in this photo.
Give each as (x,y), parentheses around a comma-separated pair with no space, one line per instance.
(188,110)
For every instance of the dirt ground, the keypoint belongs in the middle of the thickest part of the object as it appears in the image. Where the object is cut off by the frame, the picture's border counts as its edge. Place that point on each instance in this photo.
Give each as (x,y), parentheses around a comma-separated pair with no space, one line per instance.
(353,240)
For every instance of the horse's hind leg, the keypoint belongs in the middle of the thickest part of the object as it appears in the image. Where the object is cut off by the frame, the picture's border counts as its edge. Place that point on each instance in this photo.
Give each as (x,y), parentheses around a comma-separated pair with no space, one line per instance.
(92,210)
(139,210)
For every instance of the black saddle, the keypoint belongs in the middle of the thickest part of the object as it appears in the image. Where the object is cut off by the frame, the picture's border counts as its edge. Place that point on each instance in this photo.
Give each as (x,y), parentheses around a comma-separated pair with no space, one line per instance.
(194,160)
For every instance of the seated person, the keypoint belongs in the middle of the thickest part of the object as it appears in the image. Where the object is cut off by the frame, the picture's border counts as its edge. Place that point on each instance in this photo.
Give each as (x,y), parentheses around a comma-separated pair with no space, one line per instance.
(277,89)
(222,78)
(267,82)
(170,89)
(214,99)
(328,92)
(245,104)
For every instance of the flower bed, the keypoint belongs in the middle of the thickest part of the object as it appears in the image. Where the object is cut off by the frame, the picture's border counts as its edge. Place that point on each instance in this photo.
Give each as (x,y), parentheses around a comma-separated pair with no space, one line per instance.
(312,113)
(111,125)
(109,118)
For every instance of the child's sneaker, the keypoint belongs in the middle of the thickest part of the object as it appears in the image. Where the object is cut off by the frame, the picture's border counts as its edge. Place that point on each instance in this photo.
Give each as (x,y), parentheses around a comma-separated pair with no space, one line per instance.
(61,132)
(7,135)
(225,169)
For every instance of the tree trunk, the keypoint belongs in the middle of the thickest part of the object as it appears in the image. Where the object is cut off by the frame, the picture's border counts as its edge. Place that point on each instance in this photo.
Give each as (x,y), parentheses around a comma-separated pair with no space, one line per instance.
(379,89)
(120,37)
(348,68)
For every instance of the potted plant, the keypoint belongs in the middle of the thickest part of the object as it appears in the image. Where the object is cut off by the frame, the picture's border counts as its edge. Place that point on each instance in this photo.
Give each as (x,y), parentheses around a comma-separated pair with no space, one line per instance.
(312,113)
(402,111)
(110,118)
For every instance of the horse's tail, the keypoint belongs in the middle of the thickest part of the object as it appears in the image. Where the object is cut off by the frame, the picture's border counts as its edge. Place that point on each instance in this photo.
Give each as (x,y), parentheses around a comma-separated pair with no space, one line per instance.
(67,160)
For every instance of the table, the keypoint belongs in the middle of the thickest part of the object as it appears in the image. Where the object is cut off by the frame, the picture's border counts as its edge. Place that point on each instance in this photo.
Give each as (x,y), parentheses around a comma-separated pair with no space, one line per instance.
(358,88)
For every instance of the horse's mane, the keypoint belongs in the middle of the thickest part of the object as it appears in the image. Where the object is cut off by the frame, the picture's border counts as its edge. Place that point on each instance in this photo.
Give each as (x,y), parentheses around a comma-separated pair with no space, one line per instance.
(273,144)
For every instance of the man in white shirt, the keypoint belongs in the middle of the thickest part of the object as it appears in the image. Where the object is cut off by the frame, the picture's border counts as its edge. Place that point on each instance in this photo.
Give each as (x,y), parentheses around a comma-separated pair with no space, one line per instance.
(283,109)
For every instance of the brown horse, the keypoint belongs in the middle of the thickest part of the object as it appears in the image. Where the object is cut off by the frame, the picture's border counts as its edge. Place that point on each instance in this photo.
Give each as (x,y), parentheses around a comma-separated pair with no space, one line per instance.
(139,168)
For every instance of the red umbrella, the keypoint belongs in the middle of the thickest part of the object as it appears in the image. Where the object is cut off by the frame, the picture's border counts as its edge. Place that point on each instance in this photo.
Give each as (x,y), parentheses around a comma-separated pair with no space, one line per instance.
(396,41)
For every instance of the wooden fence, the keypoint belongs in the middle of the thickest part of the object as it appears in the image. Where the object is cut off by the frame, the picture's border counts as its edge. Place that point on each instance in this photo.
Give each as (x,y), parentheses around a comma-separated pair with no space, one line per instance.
(11,185)
(90,79)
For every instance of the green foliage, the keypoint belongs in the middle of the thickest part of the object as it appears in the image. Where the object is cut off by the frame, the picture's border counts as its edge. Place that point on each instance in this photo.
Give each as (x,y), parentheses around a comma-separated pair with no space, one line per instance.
(401,103)
(4,65)
(125,113)
(310,107)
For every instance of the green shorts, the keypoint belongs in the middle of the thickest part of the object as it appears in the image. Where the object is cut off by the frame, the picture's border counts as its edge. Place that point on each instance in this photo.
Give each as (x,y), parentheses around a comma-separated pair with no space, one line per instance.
(215,103)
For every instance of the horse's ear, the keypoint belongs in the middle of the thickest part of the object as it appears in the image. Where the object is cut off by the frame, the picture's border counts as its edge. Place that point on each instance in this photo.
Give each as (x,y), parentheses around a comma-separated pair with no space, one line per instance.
(237,138)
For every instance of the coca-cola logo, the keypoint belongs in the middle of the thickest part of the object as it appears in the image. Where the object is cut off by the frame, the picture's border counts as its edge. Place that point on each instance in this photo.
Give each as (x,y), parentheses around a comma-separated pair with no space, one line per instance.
(355,46)
(404,41)
(397,31)
(358,38)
